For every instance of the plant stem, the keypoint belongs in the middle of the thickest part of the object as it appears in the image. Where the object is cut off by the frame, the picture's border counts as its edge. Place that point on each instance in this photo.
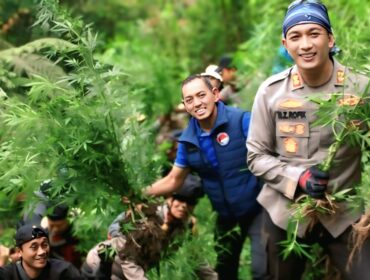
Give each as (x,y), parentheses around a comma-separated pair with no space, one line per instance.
(333,149)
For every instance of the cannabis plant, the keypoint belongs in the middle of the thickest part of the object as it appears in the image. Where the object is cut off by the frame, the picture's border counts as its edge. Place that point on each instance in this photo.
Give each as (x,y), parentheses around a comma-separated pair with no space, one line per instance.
(83,129)
(349,118)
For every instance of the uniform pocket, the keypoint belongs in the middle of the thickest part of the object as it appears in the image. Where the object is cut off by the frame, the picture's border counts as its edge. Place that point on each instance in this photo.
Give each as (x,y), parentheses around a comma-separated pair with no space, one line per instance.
(292,138)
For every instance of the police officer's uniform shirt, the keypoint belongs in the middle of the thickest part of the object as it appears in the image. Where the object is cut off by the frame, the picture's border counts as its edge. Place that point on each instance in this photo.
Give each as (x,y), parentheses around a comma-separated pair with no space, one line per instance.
(206,145)
(283,143)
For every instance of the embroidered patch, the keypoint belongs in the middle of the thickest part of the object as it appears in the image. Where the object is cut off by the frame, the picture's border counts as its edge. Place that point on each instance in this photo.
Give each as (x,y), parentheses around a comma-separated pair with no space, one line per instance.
(291,145)
(296,80)
(286,128)
(298,128)
(223,138)
(349,100)
(340,77)
(291,103)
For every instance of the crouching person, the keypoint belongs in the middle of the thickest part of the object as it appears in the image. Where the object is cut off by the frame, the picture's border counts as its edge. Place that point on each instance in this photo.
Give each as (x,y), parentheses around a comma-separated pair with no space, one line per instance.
(34,248)
(131,252)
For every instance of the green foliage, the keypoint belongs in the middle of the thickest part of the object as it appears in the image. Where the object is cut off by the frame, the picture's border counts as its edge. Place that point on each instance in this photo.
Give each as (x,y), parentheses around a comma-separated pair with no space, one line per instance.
(194,250)
(24,61)
(83,131)
(15,18)
(84,118)
(346,120)
(291,244)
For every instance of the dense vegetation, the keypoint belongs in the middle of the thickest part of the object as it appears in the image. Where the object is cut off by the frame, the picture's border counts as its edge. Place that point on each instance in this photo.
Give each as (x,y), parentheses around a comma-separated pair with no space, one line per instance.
(82,83)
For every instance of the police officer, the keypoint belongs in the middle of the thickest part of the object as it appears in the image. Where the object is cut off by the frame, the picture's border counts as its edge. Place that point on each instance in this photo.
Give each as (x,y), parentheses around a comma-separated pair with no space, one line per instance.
(33,244)
(213,145)
(284,148)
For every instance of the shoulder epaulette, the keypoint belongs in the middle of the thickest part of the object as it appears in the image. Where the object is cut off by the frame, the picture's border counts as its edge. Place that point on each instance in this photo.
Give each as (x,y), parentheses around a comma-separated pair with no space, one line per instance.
(278,77)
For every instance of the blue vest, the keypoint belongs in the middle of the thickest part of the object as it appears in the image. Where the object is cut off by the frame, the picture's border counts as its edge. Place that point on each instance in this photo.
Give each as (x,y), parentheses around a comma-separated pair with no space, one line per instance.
(231,188)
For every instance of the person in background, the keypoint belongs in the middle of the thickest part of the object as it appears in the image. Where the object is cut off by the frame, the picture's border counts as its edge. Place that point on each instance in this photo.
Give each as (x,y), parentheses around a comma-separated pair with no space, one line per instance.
(214,77)
(8,255)
(190,191)
(213,146)
(285,148)
(282,60)
(63,243)
(46,214)
(229,93)
(36,213)
(34,260)
(130,253)
(14,255)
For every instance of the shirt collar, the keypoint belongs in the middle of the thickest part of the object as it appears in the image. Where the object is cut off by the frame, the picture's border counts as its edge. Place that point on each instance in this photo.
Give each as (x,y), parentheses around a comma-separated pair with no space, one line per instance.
(220,120)
(193,131)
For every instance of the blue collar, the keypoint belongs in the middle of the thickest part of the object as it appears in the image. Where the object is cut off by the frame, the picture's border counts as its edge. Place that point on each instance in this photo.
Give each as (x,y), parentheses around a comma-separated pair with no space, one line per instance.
(193,130)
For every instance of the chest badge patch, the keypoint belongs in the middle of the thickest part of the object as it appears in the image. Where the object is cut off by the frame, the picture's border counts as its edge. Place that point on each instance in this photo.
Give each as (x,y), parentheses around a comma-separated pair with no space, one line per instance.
(223,138)
(291,145)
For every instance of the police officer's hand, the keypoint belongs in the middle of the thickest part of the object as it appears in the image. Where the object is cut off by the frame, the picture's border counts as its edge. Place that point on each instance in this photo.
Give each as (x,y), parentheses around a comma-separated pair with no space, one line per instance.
(314,182)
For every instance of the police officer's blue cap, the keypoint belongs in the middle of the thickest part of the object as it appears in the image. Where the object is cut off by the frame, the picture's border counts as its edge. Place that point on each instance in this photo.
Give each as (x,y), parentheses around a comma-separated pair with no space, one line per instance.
(27,233)
(306,11)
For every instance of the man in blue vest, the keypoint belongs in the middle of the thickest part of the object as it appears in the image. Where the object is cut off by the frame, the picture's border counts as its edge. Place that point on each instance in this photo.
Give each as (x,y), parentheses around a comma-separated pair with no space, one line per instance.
(213,145)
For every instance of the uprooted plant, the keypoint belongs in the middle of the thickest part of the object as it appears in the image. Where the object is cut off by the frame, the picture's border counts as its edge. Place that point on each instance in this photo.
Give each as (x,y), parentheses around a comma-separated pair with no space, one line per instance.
(349,117)
(81,129)
(361,229)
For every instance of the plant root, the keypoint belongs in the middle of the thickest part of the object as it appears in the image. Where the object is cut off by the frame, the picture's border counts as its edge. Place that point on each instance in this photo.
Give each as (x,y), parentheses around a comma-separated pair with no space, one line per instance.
(332,273)
(311,208)
(360,232)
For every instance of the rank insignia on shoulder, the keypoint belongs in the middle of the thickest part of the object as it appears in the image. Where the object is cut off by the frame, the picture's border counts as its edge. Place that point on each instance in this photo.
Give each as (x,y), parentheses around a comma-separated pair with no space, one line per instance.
(296,81)
(340,77)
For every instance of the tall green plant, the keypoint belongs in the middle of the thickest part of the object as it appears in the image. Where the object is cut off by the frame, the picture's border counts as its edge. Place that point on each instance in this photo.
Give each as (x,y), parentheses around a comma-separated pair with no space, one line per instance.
(85,131)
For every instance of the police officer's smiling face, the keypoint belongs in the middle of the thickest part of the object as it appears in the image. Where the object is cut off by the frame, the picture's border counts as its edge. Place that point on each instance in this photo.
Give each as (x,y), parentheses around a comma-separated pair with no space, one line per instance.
(200,100)
(35,253)
(309,45)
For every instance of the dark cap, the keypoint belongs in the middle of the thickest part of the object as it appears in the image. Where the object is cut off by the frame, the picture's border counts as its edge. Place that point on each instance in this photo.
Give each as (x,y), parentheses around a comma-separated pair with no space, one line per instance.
(59,212)
(191,190)
(225,62)
(27,233)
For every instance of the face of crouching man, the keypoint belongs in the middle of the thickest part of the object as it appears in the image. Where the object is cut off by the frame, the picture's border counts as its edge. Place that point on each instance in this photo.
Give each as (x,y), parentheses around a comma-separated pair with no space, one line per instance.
(179,209)
(34,249)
